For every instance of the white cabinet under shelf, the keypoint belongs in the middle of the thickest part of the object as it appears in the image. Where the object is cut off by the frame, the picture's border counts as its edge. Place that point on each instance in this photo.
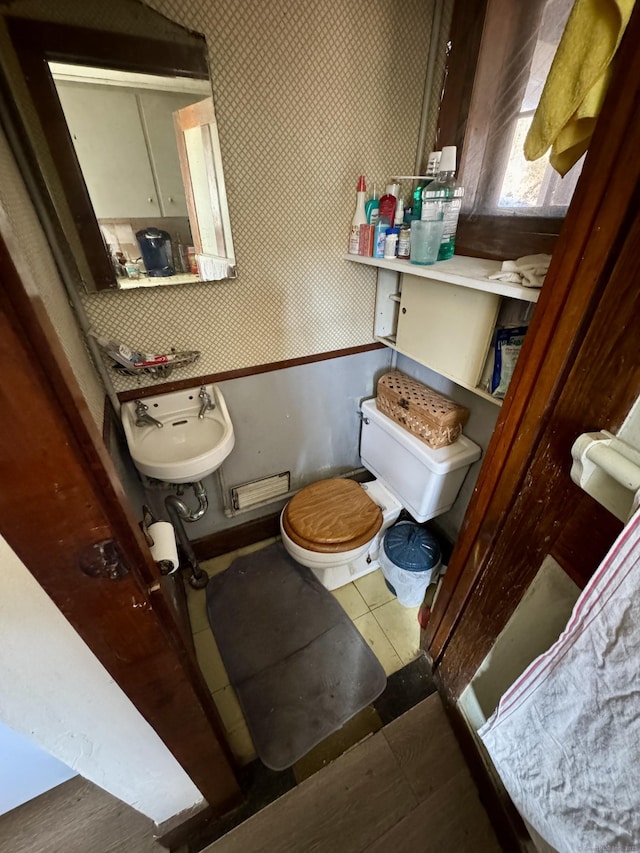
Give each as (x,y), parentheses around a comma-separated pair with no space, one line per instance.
(443,315)
(458,349)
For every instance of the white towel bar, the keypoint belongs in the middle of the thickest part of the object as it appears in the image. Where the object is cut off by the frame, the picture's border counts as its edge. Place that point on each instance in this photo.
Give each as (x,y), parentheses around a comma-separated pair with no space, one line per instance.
(608,469)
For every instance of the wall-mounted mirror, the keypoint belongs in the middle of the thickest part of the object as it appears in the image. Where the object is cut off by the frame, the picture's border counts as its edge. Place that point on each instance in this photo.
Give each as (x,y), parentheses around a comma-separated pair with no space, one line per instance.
(131,131)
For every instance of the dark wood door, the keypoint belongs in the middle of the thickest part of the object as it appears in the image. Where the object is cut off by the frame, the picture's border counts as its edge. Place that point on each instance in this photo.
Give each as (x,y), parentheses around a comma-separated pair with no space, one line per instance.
(61,496)
(579,372)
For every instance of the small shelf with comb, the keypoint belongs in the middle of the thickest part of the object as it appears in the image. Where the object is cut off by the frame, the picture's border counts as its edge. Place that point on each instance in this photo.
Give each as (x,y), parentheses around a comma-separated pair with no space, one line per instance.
(160,370)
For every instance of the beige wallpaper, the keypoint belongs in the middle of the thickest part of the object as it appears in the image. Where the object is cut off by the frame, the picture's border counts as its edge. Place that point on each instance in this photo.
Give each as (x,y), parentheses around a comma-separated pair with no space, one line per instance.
(308,96)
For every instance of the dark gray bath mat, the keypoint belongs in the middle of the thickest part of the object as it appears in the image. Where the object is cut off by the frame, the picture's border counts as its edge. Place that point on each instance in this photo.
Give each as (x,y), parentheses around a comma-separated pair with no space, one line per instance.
(299,665)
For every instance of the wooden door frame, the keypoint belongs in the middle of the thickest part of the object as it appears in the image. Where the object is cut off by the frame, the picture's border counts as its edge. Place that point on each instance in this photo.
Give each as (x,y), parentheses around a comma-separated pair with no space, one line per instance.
(162,679)
(586,265)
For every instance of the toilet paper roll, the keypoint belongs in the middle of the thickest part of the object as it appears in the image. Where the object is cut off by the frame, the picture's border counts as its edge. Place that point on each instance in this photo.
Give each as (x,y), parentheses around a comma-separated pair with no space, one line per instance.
(164,543)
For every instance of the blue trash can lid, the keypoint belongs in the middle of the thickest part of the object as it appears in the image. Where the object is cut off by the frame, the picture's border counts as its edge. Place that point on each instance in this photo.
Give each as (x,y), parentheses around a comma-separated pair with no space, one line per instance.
(410,547)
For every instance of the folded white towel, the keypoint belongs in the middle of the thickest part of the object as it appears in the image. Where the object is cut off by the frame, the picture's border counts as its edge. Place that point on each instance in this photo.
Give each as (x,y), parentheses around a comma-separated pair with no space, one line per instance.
(528,271)
(211,268)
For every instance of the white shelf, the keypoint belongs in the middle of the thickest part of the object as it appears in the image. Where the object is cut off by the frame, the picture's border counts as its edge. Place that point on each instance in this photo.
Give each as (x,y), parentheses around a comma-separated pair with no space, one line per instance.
(444,315)
(466,272)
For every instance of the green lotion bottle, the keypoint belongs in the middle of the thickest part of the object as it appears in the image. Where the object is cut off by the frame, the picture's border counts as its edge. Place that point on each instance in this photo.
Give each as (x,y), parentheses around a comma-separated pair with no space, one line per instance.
(372,207)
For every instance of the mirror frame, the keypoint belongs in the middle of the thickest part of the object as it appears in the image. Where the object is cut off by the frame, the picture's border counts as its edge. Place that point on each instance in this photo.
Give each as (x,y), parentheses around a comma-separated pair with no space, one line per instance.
(37,43)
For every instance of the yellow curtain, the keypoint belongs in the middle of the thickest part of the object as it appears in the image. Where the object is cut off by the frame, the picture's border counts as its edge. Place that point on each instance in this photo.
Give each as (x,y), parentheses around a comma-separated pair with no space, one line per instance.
(577,83)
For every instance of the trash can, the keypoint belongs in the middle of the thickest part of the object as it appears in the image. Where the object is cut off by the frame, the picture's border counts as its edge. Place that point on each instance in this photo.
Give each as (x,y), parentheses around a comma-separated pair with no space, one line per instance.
(410,556)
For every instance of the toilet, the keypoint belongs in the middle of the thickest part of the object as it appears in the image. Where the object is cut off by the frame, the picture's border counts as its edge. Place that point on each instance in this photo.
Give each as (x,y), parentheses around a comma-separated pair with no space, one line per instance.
(335,526)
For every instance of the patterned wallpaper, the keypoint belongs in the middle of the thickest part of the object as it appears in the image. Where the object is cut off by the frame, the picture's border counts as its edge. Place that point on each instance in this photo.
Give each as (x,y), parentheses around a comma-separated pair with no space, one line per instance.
(308,96)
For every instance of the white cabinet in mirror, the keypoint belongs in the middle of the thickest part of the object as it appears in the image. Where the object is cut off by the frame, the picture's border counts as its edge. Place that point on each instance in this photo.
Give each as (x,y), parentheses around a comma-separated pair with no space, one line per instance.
(148,150)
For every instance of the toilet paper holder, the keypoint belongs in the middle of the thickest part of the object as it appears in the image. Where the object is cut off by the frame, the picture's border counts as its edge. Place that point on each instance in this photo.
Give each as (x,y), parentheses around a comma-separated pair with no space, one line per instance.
(161,539)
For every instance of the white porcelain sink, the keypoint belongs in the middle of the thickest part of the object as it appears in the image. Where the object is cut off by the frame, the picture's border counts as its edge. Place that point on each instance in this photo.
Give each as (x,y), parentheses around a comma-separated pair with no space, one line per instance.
(187,447)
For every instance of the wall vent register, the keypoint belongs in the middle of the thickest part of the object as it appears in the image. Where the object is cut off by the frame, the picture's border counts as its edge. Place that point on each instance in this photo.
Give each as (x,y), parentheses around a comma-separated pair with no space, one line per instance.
(260,491)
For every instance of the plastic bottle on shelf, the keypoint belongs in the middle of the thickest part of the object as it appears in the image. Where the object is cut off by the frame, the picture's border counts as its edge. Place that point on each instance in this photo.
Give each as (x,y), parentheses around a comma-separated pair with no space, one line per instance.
(416,201)
(388,203)
(379,235)
(404,241)
(359,217)
(433,164)
(398,217)
(372,207)
(426,233)
(433,202)
(391,243)
(432,172)
(452,193)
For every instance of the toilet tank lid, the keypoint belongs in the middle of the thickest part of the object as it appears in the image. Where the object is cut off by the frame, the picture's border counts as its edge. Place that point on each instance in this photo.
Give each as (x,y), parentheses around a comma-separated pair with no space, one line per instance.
(439,460)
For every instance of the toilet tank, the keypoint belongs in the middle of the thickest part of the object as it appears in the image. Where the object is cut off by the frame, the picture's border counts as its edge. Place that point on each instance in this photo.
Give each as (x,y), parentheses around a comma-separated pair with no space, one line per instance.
(425,480)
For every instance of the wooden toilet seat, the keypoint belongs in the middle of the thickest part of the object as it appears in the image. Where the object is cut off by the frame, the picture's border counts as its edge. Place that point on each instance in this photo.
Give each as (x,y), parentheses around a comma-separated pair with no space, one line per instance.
(331,516)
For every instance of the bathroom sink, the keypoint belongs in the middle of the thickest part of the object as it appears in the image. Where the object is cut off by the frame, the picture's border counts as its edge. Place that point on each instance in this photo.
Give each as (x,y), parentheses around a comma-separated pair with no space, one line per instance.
(186,447)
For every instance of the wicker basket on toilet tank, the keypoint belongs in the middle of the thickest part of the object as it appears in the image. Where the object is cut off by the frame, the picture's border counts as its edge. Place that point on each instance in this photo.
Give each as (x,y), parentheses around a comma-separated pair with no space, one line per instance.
(431,417)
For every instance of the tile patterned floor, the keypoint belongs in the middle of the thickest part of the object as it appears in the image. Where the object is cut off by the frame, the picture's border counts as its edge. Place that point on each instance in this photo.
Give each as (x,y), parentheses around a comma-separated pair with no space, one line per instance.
(390,629)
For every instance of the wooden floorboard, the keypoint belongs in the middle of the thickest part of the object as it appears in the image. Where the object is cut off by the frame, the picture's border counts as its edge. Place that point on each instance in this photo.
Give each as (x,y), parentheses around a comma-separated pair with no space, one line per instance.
(405,789)
(426,748)
(451,820)
(77,817)
(344,807)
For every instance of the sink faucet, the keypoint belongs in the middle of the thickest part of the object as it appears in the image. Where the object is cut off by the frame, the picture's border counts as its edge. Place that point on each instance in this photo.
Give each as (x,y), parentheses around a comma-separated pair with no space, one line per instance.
(142,416)
(207,404)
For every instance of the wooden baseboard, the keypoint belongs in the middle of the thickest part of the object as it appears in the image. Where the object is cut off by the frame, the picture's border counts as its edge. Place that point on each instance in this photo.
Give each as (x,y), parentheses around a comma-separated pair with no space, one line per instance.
(224,541)
(505,818)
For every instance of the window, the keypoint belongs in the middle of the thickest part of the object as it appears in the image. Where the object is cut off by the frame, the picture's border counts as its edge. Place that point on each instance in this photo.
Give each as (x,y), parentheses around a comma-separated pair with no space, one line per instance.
(500,57)
(528,185)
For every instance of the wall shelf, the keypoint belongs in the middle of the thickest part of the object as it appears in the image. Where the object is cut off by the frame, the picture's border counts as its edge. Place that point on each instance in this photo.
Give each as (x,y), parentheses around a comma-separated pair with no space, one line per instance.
(444,315)
(390,342)
(466,272)
(162,370)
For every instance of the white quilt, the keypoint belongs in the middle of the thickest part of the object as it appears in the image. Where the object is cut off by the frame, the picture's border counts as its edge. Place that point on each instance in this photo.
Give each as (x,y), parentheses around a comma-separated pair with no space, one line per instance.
(565,737)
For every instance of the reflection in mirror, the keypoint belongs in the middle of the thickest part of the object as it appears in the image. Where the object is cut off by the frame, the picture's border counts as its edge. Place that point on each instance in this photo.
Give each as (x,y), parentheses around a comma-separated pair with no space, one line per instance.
(122,129)
(138,158)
